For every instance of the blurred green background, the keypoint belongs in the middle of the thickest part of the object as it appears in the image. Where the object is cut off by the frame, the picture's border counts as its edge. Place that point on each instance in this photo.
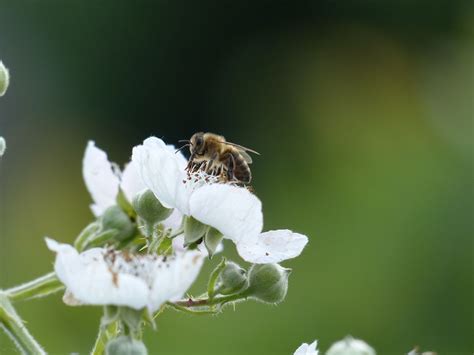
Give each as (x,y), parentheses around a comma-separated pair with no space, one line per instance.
(362,112)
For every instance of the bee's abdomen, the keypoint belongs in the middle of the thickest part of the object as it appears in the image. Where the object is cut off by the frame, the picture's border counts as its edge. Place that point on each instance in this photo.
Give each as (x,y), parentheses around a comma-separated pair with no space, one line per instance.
(241,170)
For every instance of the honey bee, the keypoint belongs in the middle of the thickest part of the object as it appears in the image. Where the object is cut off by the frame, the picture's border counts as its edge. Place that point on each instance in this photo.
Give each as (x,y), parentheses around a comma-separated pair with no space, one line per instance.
(212,154)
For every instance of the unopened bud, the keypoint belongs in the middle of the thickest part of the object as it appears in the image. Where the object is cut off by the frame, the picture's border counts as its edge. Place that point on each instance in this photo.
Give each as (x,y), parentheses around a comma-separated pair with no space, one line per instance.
(232,279)
(193,230)
(150,210)
(125,345)
(268,282)
(4,79)
(116,220)
(350,346)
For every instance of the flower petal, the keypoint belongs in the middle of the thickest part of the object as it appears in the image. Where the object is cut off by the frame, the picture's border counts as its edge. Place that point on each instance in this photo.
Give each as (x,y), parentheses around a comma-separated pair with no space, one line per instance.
(100,179)
(131,183)
(306,349)
(163,172)
(272,246)
(176,278)
(232,210)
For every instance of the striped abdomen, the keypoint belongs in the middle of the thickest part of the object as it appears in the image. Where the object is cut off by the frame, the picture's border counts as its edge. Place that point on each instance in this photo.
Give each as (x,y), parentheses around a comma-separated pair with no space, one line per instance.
(237,167)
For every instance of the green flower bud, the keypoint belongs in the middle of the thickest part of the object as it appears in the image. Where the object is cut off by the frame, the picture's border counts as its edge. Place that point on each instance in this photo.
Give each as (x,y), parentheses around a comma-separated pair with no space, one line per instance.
(193,230)
(113,225)
(114,219)
(4,79)
(3,146)
(150,210)
(268,282)
(125,345)
(232,279)
(212,239)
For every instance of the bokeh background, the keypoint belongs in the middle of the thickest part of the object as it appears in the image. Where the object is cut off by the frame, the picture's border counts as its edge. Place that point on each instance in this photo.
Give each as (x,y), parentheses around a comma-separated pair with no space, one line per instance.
(362,113)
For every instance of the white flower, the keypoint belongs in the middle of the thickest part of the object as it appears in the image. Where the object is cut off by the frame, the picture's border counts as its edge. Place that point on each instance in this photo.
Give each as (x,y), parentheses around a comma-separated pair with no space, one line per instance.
(350,346)
(307,349)
(107,277)
(232,210)
(103,180)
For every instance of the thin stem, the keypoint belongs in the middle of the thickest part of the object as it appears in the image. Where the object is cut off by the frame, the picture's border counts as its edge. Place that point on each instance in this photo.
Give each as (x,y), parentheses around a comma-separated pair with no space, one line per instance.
(210,302)
(40,287)
(105,334)
(188,310)
(11,323)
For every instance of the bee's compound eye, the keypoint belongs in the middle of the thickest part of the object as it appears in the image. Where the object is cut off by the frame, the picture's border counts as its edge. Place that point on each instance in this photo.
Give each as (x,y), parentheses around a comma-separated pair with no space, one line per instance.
(199,141)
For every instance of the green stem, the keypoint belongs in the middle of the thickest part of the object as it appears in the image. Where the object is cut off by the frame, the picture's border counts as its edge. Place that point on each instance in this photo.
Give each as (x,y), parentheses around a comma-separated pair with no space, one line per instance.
(105,334)
(11,323)
(40,287)
(188,310)
(211,302)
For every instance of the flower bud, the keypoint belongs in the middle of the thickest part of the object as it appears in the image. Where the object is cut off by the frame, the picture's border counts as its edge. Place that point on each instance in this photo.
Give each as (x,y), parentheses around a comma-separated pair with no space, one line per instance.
(114,219)
(150,210)
(3,146)
(4,79)
(350,346)
(125,345)
(232,279)
(212,239)
(268,282)
(193,230)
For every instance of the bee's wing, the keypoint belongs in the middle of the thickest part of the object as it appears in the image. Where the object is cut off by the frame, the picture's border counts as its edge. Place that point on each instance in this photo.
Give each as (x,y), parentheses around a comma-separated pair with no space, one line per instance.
(246,156)
(243,151)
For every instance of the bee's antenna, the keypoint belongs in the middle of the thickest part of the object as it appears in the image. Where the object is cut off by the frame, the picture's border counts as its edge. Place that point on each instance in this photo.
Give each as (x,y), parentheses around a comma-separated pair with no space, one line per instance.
(184,141)
(180,148)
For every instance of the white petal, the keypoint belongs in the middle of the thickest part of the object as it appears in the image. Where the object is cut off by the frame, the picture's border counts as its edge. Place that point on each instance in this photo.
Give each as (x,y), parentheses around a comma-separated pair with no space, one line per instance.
(175,279)
(350,346)
(100,179)
(163,172)
(232,210)
(272,246)
(306,349)
(107,277)
(131,183)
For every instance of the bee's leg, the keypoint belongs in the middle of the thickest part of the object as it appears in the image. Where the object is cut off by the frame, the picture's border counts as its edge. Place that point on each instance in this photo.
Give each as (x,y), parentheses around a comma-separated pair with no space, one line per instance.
(190,162)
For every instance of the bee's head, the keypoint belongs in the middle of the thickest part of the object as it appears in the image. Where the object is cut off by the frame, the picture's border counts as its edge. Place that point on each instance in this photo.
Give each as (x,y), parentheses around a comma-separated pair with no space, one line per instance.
(197,143)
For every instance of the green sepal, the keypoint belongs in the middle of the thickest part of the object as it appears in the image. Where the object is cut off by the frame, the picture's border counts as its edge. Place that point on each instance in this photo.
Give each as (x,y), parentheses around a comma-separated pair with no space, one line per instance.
(193,230)
(212,239)
(126,206)
(85,235)
(165,247)
(111,315)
